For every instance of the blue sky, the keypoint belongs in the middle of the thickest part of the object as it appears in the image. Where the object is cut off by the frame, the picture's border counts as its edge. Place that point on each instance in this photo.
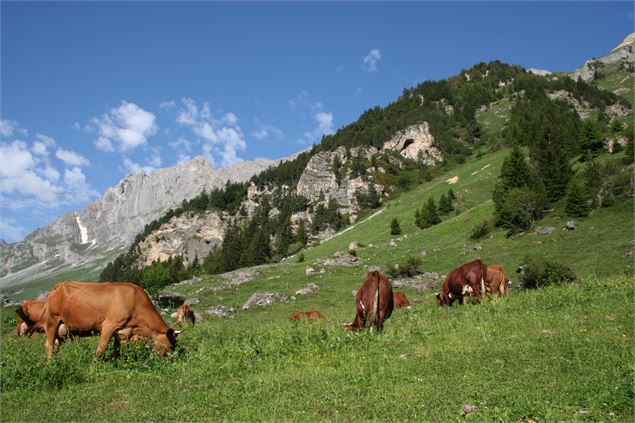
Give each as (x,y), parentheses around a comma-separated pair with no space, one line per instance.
(93,91)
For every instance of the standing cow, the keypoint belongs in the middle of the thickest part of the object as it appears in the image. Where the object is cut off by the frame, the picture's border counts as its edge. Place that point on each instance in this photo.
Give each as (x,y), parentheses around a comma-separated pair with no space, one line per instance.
(496,281)
(373,303)
(109,308)
(468,279)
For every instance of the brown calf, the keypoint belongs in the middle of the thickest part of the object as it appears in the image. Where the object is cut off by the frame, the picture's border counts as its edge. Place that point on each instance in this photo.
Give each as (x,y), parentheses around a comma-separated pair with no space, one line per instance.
(399,300)
(313,314)
(469,278)
(496,281)
(373,303)
(185,315)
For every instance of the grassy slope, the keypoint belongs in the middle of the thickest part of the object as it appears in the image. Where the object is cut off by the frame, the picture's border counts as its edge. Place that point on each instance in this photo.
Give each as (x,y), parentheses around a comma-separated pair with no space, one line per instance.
(561,353)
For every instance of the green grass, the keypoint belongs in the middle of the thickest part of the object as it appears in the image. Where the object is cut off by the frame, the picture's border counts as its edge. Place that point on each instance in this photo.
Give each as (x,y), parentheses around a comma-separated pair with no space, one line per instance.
(560,353)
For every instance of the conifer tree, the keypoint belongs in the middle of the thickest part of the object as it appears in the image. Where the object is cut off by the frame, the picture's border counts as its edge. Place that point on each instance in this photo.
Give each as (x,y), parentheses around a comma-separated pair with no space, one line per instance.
(395,229)
(551,158)
(576,205)
(445,205)
(451,194)
(431,213)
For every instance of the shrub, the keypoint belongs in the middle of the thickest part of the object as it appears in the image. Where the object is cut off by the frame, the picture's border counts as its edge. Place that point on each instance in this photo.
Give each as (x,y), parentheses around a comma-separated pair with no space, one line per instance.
(407,268)
(301,258)
(538,273)
(577,203)
(395,229)
(481,230)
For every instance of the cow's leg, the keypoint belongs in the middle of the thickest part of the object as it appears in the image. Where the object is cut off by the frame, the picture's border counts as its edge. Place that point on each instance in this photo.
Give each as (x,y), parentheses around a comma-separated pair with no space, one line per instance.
(106,333)
(51,334)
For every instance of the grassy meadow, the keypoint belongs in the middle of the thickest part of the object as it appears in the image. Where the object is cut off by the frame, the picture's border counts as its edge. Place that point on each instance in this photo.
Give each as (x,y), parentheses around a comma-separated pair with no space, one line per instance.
(553,354)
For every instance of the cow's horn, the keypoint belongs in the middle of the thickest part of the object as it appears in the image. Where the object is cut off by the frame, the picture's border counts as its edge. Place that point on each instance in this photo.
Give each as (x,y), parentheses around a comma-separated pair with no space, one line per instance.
(176,332)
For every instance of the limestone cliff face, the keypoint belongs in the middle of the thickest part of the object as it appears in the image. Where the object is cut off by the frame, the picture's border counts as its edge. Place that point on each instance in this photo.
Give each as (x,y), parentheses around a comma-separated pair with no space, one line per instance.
(116,218)
(189,235)
(624,52)
(415,143)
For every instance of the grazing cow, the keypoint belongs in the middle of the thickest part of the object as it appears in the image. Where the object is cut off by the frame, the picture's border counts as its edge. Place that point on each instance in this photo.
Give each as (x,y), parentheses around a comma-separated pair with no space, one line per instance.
(496,281)
(185,315)
(469,278)
(107,308)
(399,300)
(373,303)
(29,313)
(313,314)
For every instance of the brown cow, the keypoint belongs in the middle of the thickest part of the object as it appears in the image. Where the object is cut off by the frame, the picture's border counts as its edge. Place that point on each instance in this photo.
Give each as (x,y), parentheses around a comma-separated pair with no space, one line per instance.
(399,300)
(185,315)
(106,308)
(467,279)
(373,303)
(496,281)
(29,313)
(313,314)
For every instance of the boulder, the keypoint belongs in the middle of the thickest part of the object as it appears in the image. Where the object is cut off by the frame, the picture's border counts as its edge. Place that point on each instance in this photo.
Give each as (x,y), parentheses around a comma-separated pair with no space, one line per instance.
(221,311)
(310,288)
(171,299)
(264,299)
(342,259)
(546,230)
(570,225)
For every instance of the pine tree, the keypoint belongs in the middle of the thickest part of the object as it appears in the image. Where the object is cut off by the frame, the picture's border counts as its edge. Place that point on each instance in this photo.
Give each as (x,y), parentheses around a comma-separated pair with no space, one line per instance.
(431,213)
(395,229)
(590,139)
(302,237)
(451,195)
(577,205)
(551,157)
(445,205)
(419,219)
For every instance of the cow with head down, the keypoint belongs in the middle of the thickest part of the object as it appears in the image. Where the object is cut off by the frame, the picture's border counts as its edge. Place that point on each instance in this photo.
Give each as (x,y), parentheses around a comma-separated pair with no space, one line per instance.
(185,315)
(466,280)
(110,308)
(29,322)
(495,280)
(373,303)
(309,315)
(399,300)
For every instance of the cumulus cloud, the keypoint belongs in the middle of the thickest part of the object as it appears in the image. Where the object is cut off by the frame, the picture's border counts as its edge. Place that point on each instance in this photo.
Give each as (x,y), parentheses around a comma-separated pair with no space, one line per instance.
(182,148)
(264,131)
(223,136)
(323,119)
(28,180)
(7,127)
(71,158)
(124,128)
(131,166)
(371,59)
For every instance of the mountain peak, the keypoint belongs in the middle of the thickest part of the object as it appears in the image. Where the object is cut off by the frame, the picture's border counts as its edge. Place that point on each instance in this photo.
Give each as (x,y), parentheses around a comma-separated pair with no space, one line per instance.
(629,39)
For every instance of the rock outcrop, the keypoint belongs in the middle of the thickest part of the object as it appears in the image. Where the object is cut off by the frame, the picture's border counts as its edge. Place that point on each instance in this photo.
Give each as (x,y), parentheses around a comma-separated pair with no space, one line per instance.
(115,219)
(416,143)
(624,52)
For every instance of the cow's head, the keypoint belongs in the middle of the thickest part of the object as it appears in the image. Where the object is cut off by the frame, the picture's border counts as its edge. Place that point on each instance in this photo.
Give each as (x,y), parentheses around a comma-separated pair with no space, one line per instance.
(23,312)
(163,343)
(439,299)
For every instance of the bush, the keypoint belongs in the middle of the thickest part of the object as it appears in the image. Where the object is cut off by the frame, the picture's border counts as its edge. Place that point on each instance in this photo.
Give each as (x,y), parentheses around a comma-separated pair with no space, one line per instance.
(301,258)
(481,230)
(538,273)
(395,229)
(407,268)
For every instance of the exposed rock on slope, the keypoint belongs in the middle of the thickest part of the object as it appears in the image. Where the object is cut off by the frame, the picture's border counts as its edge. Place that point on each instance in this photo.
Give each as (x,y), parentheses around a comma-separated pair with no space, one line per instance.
(115,219)
(415,143)
(624,52)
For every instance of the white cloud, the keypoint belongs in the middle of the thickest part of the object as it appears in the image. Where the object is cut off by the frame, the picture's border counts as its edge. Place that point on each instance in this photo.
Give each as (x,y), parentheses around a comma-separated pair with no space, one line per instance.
(133,167)
(7,127)
(71,158)
(128,126)
(167,105)
(10,231)
(224,134)
(358,91)
(155,161)
(77,126)
(371,59)
(182,148)
(322,118)
(30,181)
(265,131)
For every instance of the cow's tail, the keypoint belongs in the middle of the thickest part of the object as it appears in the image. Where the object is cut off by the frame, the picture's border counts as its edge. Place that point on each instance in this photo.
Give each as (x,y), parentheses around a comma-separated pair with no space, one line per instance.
(483,276)
(374,313)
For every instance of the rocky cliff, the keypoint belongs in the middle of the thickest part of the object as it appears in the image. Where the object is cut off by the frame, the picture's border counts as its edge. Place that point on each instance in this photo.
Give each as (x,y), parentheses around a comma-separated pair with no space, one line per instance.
(116,218)
(623,53)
